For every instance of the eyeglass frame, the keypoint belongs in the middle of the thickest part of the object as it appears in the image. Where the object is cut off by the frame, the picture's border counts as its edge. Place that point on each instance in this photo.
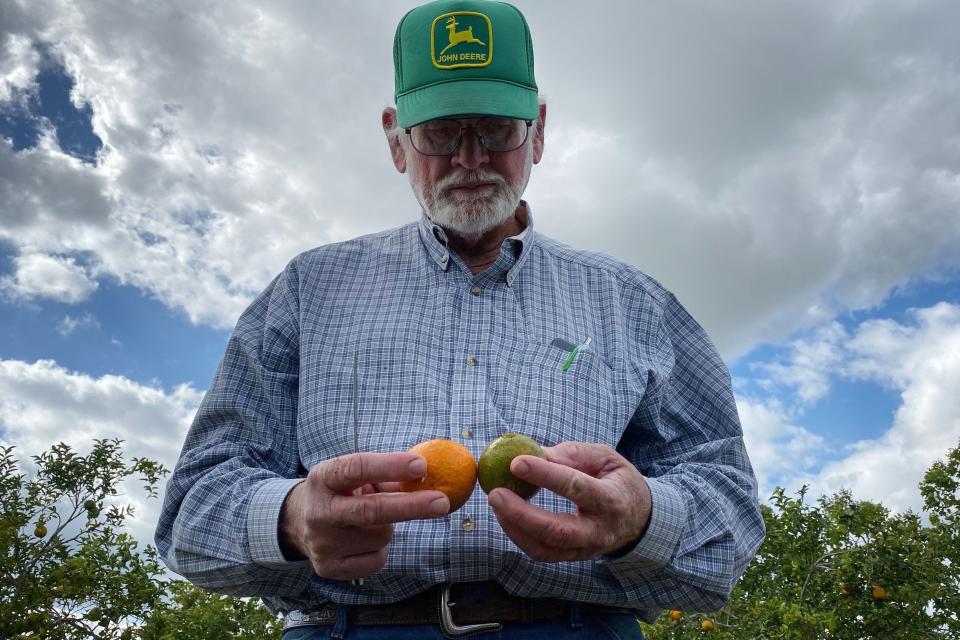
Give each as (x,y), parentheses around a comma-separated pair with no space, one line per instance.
(463,127)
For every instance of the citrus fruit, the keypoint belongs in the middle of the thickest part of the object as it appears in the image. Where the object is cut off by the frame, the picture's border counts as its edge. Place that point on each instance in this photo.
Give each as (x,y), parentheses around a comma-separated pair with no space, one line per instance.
(879,593)
(40,531)
(675,615)
(494,466)
(451,468)
(706,625)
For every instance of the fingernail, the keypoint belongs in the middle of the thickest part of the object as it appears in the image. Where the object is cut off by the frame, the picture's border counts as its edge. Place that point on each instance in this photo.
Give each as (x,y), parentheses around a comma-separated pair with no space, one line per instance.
(519,466)
(418,467)
(440,506)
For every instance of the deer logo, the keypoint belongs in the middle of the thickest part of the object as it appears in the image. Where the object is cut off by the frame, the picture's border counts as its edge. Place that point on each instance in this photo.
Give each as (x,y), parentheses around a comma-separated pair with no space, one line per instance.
(459,37)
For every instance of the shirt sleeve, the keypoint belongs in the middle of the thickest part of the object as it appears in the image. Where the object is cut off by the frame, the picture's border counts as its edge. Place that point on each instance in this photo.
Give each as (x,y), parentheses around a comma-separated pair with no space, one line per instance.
(685,437)
(218,524)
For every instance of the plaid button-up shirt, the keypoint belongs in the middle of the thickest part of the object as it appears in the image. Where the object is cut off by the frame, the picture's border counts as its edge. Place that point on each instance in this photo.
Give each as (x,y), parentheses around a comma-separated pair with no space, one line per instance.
(443,353)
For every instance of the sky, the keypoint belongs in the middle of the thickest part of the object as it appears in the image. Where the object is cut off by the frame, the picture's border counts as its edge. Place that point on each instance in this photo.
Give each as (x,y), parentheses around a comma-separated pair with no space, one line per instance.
(790,170)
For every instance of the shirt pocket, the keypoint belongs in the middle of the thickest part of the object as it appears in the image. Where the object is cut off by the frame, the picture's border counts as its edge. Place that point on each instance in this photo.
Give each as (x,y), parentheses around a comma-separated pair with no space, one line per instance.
(553,405)
(396,389)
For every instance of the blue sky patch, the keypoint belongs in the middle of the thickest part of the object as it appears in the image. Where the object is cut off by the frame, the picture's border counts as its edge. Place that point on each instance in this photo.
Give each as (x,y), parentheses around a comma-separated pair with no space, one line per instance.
(119,330)
(24,117)
(851,410)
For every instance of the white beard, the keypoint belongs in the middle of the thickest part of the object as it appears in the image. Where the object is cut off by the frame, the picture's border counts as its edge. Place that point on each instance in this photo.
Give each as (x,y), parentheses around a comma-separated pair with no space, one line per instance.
(469,215)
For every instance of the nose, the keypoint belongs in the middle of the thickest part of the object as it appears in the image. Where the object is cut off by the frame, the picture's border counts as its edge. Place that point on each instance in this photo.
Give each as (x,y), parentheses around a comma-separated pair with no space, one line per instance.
(471,154)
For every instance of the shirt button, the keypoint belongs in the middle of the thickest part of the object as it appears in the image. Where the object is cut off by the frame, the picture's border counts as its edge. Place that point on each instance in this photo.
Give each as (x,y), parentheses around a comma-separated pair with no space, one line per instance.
(471,361)
(467,433)
(475,291)
(509,278)
(469,525)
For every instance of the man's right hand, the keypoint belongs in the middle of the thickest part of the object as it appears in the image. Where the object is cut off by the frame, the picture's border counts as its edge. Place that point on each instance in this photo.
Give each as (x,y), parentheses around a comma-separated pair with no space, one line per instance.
(341,517)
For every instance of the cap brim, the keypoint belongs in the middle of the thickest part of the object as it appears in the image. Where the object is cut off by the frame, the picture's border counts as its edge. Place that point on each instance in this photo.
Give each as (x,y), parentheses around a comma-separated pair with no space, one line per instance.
(467,97)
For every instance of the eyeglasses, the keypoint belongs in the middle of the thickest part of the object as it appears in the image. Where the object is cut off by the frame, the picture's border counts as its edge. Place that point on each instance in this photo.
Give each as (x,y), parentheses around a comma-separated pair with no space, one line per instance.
(442,137)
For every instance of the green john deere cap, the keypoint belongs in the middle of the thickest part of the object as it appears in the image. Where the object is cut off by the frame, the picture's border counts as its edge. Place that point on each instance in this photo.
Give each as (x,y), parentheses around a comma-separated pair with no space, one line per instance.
(459,57)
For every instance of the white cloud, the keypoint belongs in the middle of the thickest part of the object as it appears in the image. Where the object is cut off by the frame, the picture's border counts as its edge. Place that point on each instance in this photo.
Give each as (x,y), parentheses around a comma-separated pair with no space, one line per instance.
(18,64)
(45,276)
(780,451)
(69,324)
(922,361)
(918,359)
(42,403)
(809,365)
(774,164)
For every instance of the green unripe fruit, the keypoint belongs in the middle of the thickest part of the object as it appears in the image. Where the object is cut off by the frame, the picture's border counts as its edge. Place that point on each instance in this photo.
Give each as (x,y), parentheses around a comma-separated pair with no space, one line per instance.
(493,468)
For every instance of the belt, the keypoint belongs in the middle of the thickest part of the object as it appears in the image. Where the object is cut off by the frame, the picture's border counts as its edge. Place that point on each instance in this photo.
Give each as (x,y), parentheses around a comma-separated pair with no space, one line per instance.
(460,609)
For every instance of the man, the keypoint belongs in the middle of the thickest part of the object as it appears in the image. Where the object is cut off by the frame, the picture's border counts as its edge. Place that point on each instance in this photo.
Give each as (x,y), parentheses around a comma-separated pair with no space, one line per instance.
(466,325)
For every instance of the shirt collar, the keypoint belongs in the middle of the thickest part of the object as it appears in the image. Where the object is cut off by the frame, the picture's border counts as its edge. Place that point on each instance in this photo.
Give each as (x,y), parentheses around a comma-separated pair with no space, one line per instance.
(436,242)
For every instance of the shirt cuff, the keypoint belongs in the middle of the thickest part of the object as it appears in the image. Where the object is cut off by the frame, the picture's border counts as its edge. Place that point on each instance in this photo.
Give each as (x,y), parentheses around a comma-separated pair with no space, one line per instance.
(263,523)
(668,518)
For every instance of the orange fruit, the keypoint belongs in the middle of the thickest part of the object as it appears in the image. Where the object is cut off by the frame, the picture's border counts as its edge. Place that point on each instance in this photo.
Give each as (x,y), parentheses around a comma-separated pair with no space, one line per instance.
(707,626)
(451,468)
(675,615)
(879,593)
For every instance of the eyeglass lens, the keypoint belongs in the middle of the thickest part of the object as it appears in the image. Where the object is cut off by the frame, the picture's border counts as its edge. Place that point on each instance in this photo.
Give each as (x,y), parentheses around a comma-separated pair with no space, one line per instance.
(442,137)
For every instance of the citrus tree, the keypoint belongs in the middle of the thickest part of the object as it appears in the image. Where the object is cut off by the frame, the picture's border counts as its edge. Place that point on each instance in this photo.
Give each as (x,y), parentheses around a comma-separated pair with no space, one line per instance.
(70,570)
(193,613)
(838,568)
(845,569)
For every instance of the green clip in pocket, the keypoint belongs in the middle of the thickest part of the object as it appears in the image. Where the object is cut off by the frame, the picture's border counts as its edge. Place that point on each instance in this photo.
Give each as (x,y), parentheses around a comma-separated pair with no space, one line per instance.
(573,354)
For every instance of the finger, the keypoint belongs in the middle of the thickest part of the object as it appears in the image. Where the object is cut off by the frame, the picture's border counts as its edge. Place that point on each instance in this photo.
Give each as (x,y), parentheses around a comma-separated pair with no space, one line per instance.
(386,508)
(351,541)
(354,566)
(561,530)
(592,459)
(346,473)
(570,483)
(514,514)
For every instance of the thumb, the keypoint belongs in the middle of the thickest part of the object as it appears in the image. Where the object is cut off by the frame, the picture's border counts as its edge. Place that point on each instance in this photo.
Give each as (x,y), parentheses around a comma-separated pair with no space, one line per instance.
(588,458)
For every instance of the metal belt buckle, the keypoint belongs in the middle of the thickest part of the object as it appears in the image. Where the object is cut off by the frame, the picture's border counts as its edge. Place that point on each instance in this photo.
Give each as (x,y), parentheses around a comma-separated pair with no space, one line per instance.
(451,628)
(323,615)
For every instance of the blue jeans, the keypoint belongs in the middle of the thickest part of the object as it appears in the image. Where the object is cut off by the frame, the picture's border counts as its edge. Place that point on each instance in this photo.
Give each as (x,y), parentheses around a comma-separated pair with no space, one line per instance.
(595,625)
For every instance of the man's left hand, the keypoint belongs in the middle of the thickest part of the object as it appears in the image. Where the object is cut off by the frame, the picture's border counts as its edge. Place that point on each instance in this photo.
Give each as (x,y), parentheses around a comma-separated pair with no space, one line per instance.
(612,498)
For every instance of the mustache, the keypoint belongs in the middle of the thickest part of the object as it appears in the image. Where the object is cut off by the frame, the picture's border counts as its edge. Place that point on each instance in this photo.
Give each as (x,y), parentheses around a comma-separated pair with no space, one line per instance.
(467,176)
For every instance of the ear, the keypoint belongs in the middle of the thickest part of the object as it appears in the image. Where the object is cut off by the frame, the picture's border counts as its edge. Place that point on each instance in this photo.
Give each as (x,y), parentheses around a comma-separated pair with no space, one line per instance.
(538,137)
(389,122)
